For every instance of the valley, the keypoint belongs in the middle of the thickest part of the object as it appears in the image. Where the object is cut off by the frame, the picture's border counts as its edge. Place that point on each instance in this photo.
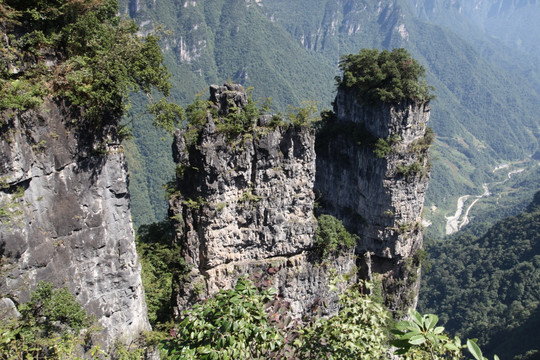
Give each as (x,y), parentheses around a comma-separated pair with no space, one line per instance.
(466,203)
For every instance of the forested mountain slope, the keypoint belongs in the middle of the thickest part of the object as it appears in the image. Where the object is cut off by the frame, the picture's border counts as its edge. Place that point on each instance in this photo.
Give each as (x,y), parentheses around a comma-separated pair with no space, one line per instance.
(513,22)
(483,112)
(208,42)
(289,50)
(485,282)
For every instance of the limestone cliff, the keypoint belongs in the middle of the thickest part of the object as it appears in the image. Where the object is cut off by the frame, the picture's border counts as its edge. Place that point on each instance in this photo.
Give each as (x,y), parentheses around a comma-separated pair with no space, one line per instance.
(66,216)
(244,205)
(372,173)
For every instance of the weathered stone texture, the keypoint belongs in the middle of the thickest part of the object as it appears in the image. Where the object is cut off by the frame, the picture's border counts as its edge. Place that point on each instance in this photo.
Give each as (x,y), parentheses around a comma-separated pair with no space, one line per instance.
(246,204)
(371,195)
(72,226)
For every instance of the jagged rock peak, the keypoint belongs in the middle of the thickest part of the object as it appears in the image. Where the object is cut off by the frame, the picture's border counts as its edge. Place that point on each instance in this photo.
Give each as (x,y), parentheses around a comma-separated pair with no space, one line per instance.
(372,173)
(244,206)
(227,96)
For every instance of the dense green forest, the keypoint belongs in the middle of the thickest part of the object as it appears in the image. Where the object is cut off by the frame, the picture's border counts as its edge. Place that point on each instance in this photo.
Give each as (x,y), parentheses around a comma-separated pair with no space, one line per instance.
(99,59)
(483,114)
(484,282)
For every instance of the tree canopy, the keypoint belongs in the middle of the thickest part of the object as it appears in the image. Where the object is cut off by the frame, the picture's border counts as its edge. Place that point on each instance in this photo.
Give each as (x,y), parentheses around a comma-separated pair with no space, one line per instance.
(79,50)
(385,76)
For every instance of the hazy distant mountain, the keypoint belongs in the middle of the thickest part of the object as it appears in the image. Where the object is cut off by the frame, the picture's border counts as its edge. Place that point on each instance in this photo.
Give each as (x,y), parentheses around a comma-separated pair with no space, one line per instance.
(485,111)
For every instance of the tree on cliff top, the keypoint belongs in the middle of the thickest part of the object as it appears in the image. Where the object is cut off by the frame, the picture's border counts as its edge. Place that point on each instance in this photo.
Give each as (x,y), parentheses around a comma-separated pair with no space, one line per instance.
(79,50)
(385,76)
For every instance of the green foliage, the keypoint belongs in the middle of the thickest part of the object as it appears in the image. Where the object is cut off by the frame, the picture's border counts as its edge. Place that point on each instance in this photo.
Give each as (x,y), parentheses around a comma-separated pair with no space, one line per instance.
(21,95)
(358,331)
(421,338)
(196,114)
(492,275)
(163,267)
(242,121)
(383,147)
(10,206)
(249,197)
(411,170)
(331,236)
(241,323)
(102,58)
(50,326)
(422,145)
(231,325)
(167,115)
(385,76)
(304,115)
(239,120)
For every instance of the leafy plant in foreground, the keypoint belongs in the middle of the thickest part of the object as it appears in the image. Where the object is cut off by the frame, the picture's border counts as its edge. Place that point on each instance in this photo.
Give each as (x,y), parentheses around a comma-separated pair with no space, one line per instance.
(358,331)
(231,325)
(50,326)
(421,338)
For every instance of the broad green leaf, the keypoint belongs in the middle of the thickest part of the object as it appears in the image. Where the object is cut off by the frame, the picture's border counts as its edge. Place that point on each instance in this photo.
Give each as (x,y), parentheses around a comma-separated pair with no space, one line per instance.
(410,334)
(438,330)
(451,347)
(402,325)
(431,321)
(474,349)
(416,317)
(417,339)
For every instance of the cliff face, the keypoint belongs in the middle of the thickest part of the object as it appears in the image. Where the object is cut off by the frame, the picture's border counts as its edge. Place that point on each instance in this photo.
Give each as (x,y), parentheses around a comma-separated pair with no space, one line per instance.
(245,207)
(378,196)
(67,217)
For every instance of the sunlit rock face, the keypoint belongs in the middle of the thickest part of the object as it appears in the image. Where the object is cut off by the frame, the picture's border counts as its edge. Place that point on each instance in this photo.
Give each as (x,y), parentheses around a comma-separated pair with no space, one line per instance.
(379,197)
(65,189)
(245,207)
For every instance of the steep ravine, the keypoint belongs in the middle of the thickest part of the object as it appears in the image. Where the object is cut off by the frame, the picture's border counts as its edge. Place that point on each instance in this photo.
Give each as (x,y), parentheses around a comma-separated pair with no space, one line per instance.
(456,222)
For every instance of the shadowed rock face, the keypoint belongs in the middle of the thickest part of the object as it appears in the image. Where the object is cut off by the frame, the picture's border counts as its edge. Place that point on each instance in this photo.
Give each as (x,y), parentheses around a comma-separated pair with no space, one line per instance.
(72,224)
(245,206)
(380,199)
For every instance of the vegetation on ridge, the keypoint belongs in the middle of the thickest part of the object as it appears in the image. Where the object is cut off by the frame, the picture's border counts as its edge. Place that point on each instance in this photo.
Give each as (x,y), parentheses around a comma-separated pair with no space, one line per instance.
(50,326)
(385,76)
(77,50)
(331,236)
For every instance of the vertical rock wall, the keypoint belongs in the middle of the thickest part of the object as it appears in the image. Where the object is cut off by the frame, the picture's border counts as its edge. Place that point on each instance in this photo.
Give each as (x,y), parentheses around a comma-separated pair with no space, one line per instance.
(68,217)
(378,198)
(245,206)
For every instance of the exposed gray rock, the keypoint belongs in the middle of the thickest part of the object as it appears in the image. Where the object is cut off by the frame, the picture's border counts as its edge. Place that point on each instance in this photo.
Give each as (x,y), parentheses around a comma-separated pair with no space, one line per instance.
(380,199)
(70,222)
(245,206)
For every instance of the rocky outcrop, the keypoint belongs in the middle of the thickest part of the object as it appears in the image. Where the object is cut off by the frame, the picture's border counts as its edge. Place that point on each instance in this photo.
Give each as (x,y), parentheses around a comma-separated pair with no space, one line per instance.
(66,217)
(244,206)
(372,173)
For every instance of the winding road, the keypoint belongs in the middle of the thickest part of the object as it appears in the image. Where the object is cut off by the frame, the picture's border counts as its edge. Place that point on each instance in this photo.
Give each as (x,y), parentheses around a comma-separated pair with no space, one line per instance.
(457,221)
